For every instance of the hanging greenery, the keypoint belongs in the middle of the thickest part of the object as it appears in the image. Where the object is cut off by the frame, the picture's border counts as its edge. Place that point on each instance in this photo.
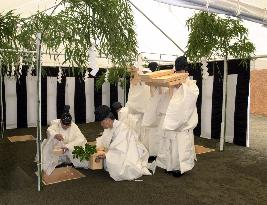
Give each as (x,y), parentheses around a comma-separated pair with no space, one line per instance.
(211,35)
(114,76)
(108,25)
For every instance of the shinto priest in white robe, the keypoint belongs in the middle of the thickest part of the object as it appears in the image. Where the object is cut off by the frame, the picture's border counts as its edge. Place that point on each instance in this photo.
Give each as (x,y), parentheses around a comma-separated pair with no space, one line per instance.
(132,113)
(126,157)
(177,151)
(72,137)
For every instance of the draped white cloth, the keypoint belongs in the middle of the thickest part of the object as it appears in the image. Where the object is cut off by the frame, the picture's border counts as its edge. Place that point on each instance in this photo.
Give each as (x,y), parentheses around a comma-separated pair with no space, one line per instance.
(126,157)
(51,99)
(106,93)
(177,151)
(72,137)
(31,84)
(90,103)
(11,102)
(151,121)
(69,95)
(230,108)
(120,94)
(137,97)
(206,107)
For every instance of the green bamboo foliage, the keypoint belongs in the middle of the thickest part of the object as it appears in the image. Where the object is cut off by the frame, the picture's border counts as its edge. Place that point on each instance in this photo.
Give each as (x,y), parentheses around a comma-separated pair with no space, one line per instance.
(109,25)
(211,35)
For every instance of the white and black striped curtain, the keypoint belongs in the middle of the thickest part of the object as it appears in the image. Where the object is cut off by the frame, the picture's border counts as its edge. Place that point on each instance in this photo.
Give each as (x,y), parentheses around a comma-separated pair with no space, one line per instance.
(210,98)
(20,98)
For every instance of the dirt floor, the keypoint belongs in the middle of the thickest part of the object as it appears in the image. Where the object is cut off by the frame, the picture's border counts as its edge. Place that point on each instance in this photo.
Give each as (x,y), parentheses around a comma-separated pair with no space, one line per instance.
(238,175)
(258,133)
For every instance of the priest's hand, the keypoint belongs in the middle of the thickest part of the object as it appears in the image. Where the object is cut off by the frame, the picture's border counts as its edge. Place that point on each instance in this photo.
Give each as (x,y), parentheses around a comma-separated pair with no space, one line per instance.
(59,137)
(65,149)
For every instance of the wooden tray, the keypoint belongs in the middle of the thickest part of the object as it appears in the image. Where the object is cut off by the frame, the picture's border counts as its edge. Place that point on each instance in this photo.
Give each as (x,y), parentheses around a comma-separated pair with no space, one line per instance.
(148,76)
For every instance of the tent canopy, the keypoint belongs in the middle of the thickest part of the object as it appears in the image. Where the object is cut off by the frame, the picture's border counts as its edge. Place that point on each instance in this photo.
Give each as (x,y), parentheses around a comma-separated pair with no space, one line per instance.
(170,16)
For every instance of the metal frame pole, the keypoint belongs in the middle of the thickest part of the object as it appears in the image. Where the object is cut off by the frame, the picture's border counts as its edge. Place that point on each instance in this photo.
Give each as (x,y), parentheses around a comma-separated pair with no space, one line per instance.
(1,102)
(223,124)
(39,127)
(156,26)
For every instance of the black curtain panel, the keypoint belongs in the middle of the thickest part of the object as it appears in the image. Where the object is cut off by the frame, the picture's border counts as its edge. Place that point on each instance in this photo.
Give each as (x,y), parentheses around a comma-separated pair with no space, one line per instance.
(195,72)
(241,100)
(21,90)
(79,100)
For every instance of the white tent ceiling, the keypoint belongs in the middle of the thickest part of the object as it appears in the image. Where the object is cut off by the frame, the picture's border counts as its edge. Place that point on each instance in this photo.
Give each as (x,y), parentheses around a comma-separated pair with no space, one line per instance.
(171,19)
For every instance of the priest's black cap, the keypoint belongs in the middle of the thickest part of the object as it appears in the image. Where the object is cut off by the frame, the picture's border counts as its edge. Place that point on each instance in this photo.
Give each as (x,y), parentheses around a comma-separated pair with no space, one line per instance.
(66,116)
(153,66)
(115,106)
(102,112)
(181,63)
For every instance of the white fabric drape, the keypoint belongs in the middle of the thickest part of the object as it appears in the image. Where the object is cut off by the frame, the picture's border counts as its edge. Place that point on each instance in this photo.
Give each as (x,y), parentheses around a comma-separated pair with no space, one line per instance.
(69,94)
(206,107)
(90,103)
(120,94)
(106,94)
(51,99)
(31,84)
(230,107)
(11,102)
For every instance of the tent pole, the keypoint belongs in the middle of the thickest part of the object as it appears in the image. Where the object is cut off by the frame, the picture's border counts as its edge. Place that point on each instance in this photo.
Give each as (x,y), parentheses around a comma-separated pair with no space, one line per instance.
(1,102)
(156,26)
(223,124)
(39,127)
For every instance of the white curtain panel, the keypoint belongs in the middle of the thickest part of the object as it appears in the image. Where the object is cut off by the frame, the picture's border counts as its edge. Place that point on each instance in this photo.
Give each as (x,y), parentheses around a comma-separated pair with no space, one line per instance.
(51,99)
(206,107)
(120,94)
(11,102)
(90,102)
(106,94)
(31,84)
(230,107)
(69,95)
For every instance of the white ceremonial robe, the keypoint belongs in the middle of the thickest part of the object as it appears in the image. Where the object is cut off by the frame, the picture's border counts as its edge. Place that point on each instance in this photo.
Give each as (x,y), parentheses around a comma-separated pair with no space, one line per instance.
(137,99)
(152,120)
(72,137)
(177,150)
(126,157)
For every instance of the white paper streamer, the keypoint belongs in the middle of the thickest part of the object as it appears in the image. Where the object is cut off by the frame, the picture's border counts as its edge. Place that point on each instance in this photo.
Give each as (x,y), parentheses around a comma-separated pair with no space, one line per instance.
(20,65)
(106,75)
(139,63)
(92,60)
(59,76)
(86,76)
(205,73)
(13,68)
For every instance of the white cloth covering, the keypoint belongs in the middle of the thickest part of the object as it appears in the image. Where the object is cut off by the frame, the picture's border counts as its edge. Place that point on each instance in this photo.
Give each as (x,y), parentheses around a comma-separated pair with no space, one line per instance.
(126,157)
(137,97)
(72,137)
(177,151)
(152,120)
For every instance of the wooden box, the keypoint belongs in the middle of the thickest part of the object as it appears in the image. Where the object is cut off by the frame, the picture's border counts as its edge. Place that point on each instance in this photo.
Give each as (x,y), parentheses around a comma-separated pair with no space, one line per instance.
(93,164)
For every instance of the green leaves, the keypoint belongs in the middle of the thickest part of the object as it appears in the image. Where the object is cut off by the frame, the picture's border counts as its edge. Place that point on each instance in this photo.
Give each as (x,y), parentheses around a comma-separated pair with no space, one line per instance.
(115,75)
(108,24)
(211,35)
(83,153)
